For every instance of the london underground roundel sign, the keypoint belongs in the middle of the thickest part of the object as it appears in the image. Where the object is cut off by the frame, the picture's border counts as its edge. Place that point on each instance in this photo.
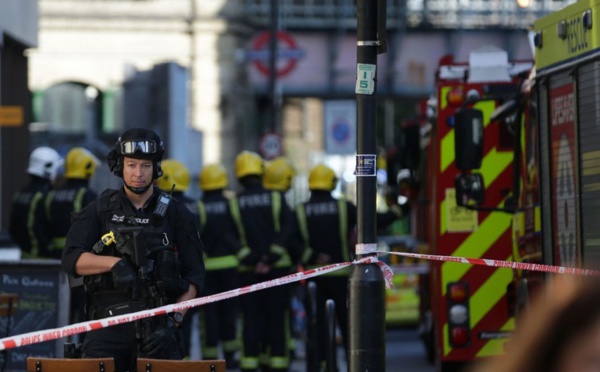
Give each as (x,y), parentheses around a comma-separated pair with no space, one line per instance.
(288,53)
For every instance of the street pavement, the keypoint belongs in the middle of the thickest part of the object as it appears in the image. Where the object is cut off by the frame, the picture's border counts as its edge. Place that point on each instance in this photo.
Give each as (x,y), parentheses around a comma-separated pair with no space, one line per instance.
(404,353)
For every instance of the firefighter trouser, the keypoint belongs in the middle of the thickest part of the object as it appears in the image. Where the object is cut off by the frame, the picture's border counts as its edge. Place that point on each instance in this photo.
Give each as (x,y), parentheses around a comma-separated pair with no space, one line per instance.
(265,321)
(219,319)
(335,288)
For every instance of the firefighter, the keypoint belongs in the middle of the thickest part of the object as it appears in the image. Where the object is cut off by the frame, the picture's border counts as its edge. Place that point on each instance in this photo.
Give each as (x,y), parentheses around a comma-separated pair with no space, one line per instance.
(72,196)
(60,204)
(28,226)
(222,243)
(136,248)
(325,224)
(176,181)
(279,175)
(266,220)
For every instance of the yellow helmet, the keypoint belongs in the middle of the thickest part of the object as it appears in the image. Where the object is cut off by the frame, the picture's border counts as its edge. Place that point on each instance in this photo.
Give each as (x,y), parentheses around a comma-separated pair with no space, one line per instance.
(213,177)
(174,173)
(321,177)
(248,163)
(279,173)
(80,164)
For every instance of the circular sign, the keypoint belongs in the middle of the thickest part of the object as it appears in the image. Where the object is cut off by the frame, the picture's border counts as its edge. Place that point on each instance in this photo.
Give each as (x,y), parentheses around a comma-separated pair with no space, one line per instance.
(287,51)
(271,145)
(340,130)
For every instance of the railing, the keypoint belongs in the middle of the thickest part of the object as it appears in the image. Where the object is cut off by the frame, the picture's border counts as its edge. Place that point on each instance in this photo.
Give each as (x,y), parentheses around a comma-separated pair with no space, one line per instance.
(448,14)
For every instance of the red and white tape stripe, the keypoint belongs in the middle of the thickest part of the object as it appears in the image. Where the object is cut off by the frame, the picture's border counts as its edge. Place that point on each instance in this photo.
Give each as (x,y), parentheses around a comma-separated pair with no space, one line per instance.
(52,334)
(498,263)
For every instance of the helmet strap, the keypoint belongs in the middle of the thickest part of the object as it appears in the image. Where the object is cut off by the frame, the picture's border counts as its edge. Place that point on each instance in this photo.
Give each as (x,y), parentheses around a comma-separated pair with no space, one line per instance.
(137,190)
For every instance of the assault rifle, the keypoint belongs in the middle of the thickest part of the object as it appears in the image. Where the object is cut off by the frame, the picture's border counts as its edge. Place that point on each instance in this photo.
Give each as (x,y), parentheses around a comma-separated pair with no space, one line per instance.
(131,243)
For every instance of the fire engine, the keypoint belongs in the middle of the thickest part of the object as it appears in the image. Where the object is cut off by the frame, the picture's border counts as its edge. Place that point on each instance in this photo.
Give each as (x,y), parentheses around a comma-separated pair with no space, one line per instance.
(513,174)
(473,160)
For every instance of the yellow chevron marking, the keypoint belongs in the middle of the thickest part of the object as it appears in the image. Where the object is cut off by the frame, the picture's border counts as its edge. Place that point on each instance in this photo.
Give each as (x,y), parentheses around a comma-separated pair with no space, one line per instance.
(496,346)
(480,303)
(494,164)
(444,97)
(475,246)
(447,143)
(447,150)
(592,187)
(489,294)
(447,347)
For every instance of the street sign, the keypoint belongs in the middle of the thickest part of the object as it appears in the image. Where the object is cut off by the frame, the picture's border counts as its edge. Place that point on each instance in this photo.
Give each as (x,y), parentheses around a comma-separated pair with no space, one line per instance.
(271,145)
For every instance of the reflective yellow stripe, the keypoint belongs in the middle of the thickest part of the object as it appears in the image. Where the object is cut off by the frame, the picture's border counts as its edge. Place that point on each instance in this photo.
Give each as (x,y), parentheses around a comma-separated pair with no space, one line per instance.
(231,345)
(496,346)
(78,203)
(201,215)
(209,352)
(489,294)
(279,362)
(342,216)
(58,243)
(590,163)
(475,246)
(308,251)
(302,225)
(538,219)
(234,209)
(276,206)
(447,151)
(35,245)
(284,261)
(219,263)
(243,253)
(47,204)
(249,362)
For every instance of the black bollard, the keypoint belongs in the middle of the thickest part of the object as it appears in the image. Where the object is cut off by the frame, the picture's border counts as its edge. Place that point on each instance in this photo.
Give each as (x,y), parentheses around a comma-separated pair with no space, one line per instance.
(331,360)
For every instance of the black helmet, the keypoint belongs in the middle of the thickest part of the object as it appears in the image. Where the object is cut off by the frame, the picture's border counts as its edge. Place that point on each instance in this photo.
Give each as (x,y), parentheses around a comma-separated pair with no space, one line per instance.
(137,143)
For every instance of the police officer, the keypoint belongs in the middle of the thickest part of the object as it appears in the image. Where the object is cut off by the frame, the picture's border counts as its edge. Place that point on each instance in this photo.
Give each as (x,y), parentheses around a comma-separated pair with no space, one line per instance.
(72,196)
(176,180)
(28,226)
(150,254)
(222,242)
(325,224)
(266,220)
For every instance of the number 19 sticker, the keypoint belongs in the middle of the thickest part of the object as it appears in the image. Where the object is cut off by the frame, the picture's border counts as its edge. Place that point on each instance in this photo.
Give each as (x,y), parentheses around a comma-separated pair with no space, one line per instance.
(365,78)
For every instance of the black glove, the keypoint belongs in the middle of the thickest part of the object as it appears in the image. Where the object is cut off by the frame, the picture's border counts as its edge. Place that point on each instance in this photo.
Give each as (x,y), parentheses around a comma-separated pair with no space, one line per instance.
(163,343)
(123,275)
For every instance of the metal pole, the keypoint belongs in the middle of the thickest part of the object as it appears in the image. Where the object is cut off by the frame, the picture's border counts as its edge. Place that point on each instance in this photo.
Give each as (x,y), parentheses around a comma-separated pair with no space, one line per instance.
(331,359)
(366,287)
(274,113)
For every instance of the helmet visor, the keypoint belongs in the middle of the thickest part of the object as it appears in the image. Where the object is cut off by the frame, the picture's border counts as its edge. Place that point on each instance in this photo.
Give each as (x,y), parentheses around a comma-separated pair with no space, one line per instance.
(141,146)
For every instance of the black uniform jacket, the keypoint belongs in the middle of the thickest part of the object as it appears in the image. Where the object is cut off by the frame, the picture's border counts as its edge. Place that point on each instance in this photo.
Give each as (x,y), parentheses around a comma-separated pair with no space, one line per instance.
(87,228)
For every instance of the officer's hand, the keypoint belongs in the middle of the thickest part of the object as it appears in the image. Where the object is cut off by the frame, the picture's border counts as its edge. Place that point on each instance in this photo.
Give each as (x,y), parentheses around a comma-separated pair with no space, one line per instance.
(123,275)
(162,343)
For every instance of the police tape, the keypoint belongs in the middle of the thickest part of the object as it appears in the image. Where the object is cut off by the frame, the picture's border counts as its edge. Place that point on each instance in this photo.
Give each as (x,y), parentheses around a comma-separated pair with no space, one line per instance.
(499,263)
(91,325)
(53,334)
